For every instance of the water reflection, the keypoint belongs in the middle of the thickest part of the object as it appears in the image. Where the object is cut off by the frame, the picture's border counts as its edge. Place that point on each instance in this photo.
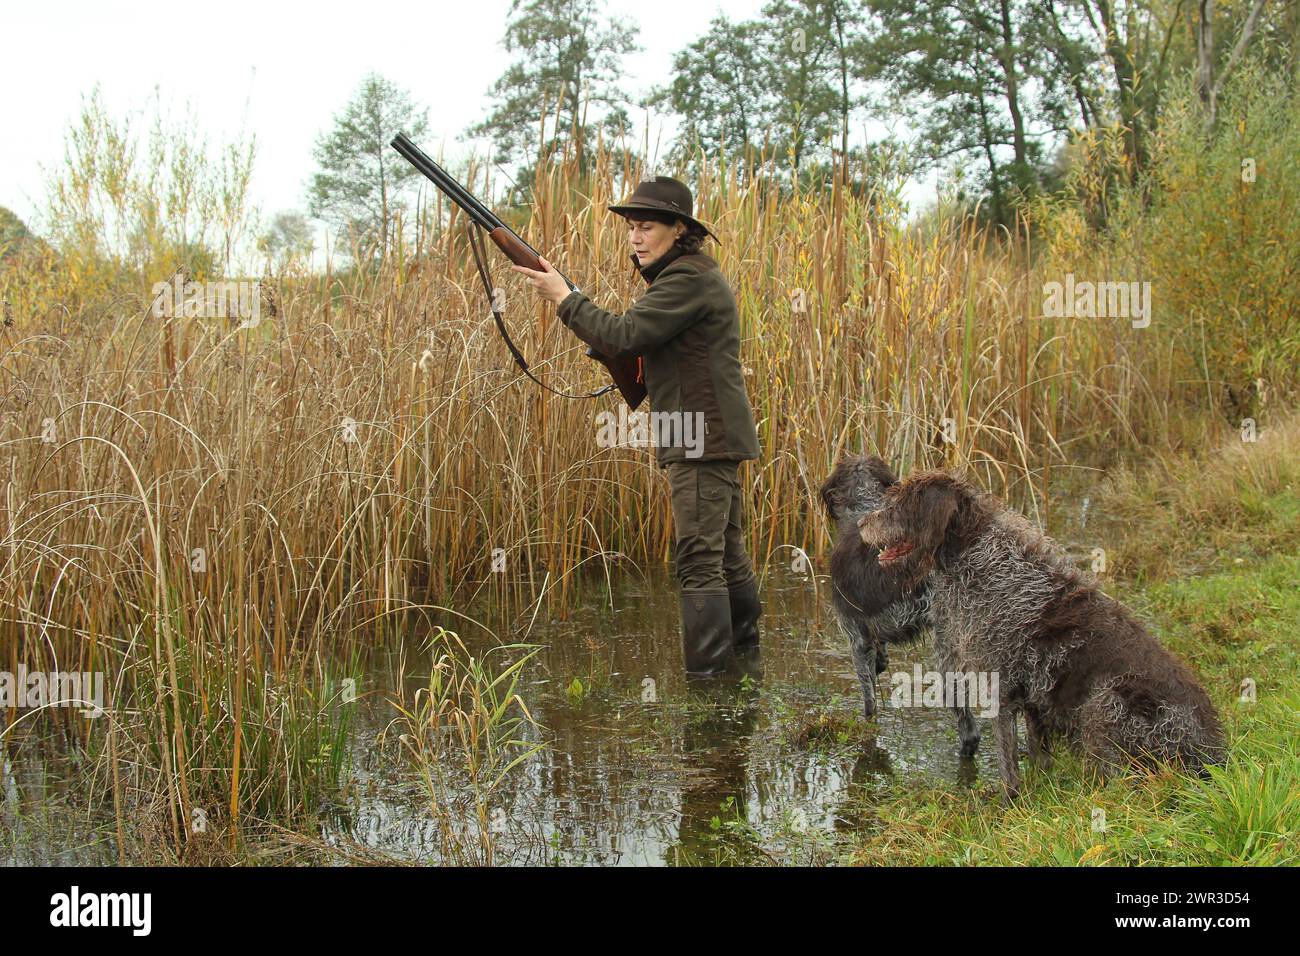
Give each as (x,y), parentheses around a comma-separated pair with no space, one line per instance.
(639,767)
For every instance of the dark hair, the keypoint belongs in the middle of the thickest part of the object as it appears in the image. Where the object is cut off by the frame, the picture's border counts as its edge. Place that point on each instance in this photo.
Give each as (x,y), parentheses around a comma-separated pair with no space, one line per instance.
(692,239)
(689,242)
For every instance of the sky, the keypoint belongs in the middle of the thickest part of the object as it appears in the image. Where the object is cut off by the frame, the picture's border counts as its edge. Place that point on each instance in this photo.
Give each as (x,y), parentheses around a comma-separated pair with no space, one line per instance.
(280,70)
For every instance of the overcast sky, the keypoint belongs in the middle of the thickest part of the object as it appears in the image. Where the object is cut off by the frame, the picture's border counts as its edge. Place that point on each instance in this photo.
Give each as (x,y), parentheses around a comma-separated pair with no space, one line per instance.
(279,70)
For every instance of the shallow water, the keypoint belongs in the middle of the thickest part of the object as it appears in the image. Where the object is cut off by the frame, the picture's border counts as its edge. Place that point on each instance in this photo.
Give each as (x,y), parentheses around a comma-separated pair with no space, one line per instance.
(640,768)
(732,772)
(39,822)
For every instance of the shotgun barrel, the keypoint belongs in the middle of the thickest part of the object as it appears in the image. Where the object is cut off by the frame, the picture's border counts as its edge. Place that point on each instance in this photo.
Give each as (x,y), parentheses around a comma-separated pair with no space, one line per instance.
(624,371)
(444,181)
(473,208)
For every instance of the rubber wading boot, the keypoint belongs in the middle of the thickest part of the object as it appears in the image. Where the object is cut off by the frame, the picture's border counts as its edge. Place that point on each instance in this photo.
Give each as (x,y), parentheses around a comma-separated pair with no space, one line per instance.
(706,632)
(745,612)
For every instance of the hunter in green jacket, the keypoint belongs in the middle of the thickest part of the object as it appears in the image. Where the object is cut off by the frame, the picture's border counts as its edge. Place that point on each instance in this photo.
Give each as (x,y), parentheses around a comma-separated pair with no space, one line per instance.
(685,330)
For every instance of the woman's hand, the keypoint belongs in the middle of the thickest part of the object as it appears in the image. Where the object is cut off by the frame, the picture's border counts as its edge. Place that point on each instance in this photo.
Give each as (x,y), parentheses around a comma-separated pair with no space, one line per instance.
(548,284)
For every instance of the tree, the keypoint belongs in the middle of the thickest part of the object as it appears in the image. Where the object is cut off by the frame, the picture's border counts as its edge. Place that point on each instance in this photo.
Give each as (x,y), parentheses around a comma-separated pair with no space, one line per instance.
(145,194)
(13,231)
(17,242)
(569,59)
(1208,86)
(1140,44)
(359,188)
(987,84)
(288,238)
(804,49)
(785,78)
(719,88)
(1072,74)
(847,20)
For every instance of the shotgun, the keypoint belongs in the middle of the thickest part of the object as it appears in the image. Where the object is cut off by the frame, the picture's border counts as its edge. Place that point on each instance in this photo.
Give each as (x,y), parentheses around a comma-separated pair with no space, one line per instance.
(622,370)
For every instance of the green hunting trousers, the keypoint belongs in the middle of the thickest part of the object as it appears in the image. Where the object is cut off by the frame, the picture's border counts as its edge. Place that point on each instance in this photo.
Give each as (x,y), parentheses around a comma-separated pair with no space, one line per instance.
(707,514)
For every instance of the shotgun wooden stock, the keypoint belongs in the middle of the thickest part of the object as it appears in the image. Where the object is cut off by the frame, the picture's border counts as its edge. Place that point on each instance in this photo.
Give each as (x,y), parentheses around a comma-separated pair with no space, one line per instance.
(622,370)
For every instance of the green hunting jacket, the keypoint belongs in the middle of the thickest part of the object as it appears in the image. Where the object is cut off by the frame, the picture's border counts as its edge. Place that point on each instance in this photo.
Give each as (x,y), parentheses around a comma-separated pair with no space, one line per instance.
(686,329)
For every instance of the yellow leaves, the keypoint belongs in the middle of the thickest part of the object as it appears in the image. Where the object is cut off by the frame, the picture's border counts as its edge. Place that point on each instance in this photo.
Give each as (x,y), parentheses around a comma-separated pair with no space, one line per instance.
(1093,855)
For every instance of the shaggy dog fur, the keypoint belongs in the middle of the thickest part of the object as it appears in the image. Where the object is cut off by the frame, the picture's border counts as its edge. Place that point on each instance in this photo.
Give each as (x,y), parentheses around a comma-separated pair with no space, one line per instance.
(872,609)
(1005,598)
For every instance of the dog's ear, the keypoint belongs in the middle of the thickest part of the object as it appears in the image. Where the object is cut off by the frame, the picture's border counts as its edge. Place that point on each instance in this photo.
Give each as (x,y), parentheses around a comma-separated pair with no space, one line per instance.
(933,507)
(967,517)
(829,490)
(879,470)
(926,505)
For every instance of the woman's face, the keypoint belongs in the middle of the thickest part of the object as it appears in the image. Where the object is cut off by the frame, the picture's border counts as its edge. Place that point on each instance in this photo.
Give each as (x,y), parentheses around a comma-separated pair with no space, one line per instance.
(651,239)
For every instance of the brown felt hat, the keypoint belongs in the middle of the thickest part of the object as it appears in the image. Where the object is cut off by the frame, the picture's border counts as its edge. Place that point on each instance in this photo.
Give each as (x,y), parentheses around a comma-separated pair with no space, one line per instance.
(663,194)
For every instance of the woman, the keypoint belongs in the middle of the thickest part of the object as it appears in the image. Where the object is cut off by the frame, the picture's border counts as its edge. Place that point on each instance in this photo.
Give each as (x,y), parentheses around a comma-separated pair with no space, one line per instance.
(686,331)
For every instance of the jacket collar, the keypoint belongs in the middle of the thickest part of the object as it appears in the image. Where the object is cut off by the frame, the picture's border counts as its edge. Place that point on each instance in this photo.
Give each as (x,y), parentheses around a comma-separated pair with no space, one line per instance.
(659,265)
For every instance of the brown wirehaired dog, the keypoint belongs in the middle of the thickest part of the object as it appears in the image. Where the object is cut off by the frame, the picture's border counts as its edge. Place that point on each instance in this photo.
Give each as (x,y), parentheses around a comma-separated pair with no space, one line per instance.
(872,609)
(1006,599)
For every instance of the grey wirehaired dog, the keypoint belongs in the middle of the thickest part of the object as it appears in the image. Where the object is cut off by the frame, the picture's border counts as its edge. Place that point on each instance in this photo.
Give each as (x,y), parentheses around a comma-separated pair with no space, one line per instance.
(1006,599)
(872,608)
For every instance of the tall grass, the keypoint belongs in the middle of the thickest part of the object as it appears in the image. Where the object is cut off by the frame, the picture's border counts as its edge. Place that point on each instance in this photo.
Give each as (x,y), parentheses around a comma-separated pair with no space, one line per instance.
(217,517)
(463,732)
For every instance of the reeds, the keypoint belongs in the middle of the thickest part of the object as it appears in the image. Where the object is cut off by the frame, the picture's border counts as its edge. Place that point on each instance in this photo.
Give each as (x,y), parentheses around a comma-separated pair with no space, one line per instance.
(216,517)
(462,733)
